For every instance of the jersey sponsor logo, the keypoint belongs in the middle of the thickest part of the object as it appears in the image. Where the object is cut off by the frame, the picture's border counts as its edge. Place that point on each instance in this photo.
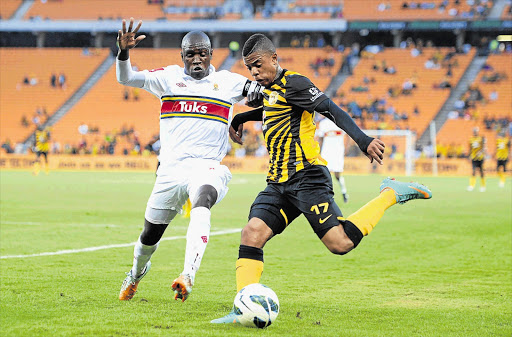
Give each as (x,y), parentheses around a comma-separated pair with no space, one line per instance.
(204,238)
(315,93)
(195,107)
(216,87)
(272,98)
(181,85)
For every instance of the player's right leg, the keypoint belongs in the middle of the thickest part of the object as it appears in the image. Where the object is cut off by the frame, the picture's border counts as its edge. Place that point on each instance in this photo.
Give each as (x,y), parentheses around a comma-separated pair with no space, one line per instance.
(482,176)
(155,224)
(472,179)
(269,215)
(37,164)
(501,168)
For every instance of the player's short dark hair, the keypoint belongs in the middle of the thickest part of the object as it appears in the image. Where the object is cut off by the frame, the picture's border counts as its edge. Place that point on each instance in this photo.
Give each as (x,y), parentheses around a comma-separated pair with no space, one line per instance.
(258,43)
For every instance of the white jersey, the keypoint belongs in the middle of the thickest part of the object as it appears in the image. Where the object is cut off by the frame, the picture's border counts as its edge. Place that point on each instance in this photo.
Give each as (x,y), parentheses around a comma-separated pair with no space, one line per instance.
(194,114)
(333,146)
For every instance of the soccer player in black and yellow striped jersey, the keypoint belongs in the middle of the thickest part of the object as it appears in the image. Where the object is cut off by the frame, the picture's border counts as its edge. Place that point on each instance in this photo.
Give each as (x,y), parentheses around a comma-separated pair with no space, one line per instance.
(477,156)
(298,181)
(502,152)
(42,148)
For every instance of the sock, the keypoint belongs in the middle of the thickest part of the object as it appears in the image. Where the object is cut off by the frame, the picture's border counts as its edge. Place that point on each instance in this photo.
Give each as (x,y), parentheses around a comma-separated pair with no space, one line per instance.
(187,207)
(343,187)
(482,181)
(501,174)
(369,215)
(37,167)
(197,238)
(141,255)
(46,169)
(249,266)
(472,181)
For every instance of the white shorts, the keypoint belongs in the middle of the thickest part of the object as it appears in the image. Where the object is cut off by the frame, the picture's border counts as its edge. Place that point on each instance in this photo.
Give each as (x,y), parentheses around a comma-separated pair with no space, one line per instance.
(175,184)
(335,159)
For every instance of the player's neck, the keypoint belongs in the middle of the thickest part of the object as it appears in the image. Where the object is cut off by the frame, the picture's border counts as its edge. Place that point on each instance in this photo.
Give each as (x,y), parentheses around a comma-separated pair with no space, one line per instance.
(279,71)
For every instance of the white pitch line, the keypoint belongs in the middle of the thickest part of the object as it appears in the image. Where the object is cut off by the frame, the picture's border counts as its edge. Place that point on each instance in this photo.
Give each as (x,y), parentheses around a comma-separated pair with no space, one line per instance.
(121,245)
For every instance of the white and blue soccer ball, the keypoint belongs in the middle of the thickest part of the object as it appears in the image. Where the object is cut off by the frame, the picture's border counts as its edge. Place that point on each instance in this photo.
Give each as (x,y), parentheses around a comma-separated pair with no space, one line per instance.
(257,306)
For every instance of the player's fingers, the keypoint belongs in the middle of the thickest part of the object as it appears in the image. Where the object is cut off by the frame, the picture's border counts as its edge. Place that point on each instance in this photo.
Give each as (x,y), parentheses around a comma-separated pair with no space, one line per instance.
(131,25)
(138,26)
(139,38)
(381,146)
(369,157)
(124,26)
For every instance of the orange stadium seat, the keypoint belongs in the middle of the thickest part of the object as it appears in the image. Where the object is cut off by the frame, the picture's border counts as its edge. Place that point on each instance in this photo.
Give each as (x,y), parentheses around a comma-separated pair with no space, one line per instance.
(428,100)
(458,131)
(369,10)
(82,9)
(8,7)
(194,3)
(104,106)
(18,100)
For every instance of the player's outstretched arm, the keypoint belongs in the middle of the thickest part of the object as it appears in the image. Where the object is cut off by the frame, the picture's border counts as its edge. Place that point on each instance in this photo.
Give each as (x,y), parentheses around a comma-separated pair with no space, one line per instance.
(372,148)
(236,128)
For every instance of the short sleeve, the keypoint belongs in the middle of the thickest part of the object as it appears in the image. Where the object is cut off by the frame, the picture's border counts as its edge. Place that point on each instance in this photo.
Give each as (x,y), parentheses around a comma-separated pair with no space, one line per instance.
(237,85)
(301,92)
(155,81)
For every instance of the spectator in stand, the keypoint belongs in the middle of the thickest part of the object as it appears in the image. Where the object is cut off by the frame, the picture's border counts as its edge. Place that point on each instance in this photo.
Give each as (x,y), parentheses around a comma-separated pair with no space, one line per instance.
(83,129)
(7,146)
(295,42)
(24,121)
(62,81)
(53,80)
(493,96)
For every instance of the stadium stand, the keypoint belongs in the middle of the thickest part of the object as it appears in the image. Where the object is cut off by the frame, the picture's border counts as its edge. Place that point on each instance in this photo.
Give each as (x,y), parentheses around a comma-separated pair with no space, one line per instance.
(300,9)
(8,7)
(21,101)
(487,105)
(372,85)
(105,9)
(105,109)
(415,10)
(507,12)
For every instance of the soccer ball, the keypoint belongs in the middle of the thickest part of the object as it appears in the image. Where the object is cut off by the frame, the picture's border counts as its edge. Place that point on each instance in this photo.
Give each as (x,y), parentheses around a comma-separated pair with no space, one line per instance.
(257,306)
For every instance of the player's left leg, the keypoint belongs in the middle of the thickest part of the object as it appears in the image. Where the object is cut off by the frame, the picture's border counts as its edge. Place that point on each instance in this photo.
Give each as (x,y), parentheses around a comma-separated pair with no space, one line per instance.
(501,168)
(207,187)
(198,235)
(472,179)
(362,222)
(46,167)
(37,164)
(482,176)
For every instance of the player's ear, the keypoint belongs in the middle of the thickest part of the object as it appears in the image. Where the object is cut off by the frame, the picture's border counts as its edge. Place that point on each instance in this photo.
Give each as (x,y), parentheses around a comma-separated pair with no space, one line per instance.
(274,59)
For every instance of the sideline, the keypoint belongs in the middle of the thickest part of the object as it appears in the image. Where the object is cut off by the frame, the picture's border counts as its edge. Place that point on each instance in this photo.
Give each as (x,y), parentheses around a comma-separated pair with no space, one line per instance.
(121,245)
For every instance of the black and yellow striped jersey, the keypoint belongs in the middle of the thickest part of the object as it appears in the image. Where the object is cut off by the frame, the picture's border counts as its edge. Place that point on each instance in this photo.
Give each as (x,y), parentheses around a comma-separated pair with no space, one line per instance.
(42,140)
(289,127)
(502,148)
(477,145)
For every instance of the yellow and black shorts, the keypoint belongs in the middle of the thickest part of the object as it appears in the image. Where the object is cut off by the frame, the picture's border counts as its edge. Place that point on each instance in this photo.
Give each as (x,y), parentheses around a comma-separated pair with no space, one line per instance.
(502,163)
(307,192)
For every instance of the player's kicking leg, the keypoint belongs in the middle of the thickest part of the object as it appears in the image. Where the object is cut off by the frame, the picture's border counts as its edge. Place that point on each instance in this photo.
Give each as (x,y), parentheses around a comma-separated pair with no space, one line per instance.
(155,224)
(198,235)
(339,239)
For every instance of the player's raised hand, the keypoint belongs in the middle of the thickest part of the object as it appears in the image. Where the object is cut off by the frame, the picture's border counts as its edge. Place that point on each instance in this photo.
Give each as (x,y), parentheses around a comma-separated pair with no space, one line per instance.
(236,135)
(126,37)
(376,151)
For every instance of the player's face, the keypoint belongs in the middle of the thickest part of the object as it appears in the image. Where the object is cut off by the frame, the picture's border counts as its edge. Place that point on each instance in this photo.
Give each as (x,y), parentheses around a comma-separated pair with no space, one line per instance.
(263,67)
(196,61)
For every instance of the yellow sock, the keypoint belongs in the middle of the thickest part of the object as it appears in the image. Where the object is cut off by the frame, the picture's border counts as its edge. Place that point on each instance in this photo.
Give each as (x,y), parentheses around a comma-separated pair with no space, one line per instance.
(187,208)
(369,215)
(37,167)
(502,176)
(482,181)
(248,271)
(46,169)
(472,181)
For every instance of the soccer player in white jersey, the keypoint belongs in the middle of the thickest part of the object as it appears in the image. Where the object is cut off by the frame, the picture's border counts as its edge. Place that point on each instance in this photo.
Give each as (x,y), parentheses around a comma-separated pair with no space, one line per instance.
(196,105)
(331,139)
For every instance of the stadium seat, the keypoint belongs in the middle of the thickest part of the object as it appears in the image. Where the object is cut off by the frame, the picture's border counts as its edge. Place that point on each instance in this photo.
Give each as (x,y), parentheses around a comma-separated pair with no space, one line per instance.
(7,8)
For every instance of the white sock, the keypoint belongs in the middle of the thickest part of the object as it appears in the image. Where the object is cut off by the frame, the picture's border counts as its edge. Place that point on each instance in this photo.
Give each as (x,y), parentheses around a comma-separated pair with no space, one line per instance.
(341,180)
(141,256)
(198,235)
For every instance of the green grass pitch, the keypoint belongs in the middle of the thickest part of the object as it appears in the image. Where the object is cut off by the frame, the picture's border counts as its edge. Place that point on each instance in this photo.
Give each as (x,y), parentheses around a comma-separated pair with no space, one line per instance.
(441,267)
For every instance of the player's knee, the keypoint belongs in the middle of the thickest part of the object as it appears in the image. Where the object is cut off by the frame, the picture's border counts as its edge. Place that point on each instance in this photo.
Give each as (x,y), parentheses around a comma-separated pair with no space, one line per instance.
(255,234)
(341,247)
(152,233)
(207,197)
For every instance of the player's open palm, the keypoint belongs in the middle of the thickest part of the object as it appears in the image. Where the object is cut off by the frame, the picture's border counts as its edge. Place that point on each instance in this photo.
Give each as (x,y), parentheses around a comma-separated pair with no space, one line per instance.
(376,151)
(126,37)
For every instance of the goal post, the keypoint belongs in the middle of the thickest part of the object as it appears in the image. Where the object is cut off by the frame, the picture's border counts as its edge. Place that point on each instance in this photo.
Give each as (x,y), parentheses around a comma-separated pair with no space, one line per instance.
(409,138)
